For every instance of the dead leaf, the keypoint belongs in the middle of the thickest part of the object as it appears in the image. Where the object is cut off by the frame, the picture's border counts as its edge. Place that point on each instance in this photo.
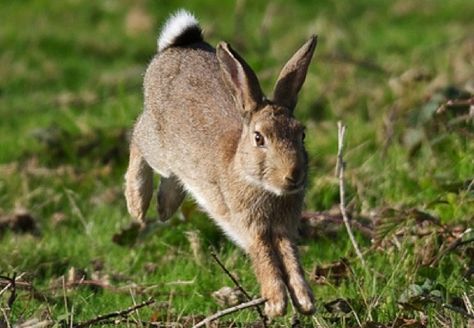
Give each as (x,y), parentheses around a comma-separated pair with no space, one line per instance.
(20,221)
(338,307)
(372,324)
(194,239)
(72,276)
(334,272)
(409,323)
(58,218)
(75,274)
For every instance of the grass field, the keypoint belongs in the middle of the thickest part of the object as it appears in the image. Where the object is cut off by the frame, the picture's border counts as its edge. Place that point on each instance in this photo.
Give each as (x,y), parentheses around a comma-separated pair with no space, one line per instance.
(70,89)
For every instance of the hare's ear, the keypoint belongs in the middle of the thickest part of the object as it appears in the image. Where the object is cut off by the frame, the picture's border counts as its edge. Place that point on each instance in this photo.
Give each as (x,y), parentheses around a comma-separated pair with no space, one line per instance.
(293,75)
(239,78)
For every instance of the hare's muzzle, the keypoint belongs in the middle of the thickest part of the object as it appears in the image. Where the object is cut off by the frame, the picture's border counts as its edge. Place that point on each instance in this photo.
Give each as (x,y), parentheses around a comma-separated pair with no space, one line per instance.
(294,180)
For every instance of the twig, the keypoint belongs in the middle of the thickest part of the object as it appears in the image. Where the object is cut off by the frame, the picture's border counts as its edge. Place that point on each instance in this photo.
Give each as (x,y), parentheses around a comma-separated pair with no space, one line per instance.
(455,104)
(467,303)
(12,297)
(139,320)
(341,130)
(450,307)
(7,285)
(107,316)
(22,285)
(12,286)
(458,242)
(236,283)
(148,324)
(322,218)
(230,310)
(7,321)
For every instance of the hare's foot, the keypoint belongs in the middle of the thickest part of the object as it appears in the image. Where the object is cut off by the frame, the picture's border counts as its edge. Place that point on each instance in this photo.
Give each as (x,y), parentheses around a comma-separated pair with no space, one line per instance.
(275,294)
(301,295)
(138,185)
(170,197)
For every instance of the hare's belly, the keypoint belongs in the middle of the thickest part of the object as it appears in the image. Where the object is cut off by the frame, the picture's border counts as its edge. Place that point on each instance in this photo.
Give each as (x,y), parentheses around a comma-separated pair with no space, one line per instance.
(236,233)
(210,199)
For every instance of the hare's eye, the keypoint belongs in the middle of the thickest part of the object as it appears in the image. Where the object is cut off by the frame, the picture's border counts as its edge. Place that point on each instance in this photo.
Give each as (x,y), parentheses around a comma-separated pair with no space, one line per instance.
(259,139)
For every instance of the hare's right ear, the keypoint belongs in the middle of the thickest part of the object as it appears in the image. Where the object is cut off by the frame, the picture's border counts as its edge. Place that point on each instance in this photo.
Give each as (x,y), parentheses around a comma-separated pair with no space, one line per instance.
(293,75)
(239,78)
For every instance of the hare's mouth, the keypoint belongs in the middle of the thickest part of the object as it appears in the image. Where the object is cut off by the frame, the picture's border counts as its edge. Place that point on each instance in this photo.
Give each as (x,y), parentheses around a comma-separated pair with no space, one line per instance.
(284,190)
(293,188)
(278,189)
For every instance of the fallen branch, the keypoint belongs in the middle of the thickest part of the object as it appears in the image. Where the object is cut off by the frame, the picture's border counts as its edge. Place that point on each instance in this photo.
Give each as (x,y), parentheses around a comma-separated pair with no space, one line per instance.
(451,307)
(458,242)
(341,130)
(328,219)
(104,317)
(236,283)
(230,310)
(12,286)
(12,297)
(456,104)
(34,323)
(23,285)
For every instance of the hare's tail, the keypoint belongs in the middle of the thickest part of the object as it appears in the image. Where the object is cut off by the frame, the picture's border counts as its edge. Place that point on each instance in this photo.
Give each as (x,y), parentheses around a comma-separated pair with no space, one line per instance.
(181,29)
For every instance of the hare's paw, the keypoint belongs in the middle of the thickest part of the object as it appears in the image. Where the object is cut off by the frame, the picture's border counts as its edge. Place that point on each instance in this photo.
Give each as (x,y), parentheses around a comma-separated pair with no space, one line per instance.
(302,297)
(276,301)
(275,308)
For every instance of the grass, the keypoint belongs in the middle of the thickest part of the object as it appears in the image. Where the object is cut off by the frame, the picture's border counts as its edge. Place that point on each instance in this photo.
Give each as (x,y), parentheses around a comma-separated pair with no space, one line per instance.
(70,89)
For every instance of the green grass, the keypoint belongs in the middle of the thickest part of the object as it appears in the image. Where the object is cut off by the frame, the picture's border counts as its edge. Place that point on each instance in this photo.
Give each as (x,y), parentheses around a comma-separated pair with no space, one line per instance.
(70,89)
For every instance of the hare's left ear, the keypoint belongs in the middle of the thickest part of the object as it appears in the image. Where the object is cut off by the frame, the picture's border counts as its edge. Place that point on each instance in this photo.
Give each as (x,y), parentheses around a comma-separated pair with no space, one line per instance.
(293,74)
(240,79)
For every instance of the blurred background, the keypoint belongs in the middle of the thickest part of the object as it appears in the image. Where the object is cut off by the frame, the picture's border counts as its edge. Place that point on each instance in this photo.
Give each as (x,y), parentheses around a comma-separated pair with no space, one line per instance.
(399,74)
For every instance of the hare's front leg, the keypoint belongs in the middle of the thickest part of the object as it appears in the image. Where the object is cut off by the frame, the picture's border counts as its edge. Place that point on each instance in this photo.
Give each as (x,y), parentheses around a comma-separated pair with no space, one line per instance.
(267,267)
(299,290)
(138,185)
(170,196)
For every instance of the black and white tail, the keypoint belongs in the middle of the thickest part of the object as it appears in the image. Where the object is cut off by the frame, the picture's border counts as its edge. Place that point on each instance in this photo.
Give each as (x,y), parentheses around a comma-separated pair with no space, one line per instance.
(181,29)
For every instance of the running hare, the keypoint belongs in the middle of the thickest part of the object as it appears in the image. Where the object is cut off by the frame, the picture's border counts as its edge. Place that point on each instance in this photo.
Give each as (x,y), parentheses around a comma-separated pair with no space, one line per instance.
(207,129)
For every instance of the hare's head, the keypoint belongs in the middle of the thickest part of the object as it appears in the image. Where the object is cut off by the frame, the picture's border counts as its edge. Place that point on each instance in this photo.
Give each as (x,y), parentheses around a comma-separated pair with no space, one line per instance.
(271,151)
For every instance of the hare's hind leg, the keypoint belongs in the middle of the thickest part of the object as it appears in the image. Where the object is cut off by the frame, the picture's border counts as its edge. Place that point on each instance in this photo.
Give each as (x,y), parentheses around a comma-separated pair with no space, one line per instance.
(138,184)
(170,196)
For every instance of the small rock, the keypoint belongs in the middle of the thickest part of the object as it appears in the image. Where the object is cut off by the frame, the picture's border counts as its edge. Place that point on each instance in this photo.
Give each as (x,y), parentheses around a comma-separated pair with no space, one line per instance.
(228,296)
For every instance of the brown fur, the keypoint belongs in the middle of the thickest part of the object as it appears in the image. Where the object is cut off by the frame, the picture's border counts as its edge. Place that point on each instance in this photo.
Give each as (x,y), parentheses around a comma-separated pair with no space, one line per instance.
(202,108)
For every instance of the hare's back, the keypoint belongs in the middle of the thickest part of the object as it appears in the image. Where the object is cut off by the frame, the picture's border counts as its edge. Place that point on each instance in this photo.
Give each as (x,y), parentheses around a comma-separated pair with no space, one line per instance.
(194,116)
(184,89)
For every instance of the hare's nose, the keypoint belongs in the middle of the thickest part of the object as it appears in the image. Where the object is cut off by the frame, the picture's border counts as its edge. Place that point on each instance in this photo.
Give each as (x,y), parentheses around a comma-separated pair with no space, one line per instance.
(294,178)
